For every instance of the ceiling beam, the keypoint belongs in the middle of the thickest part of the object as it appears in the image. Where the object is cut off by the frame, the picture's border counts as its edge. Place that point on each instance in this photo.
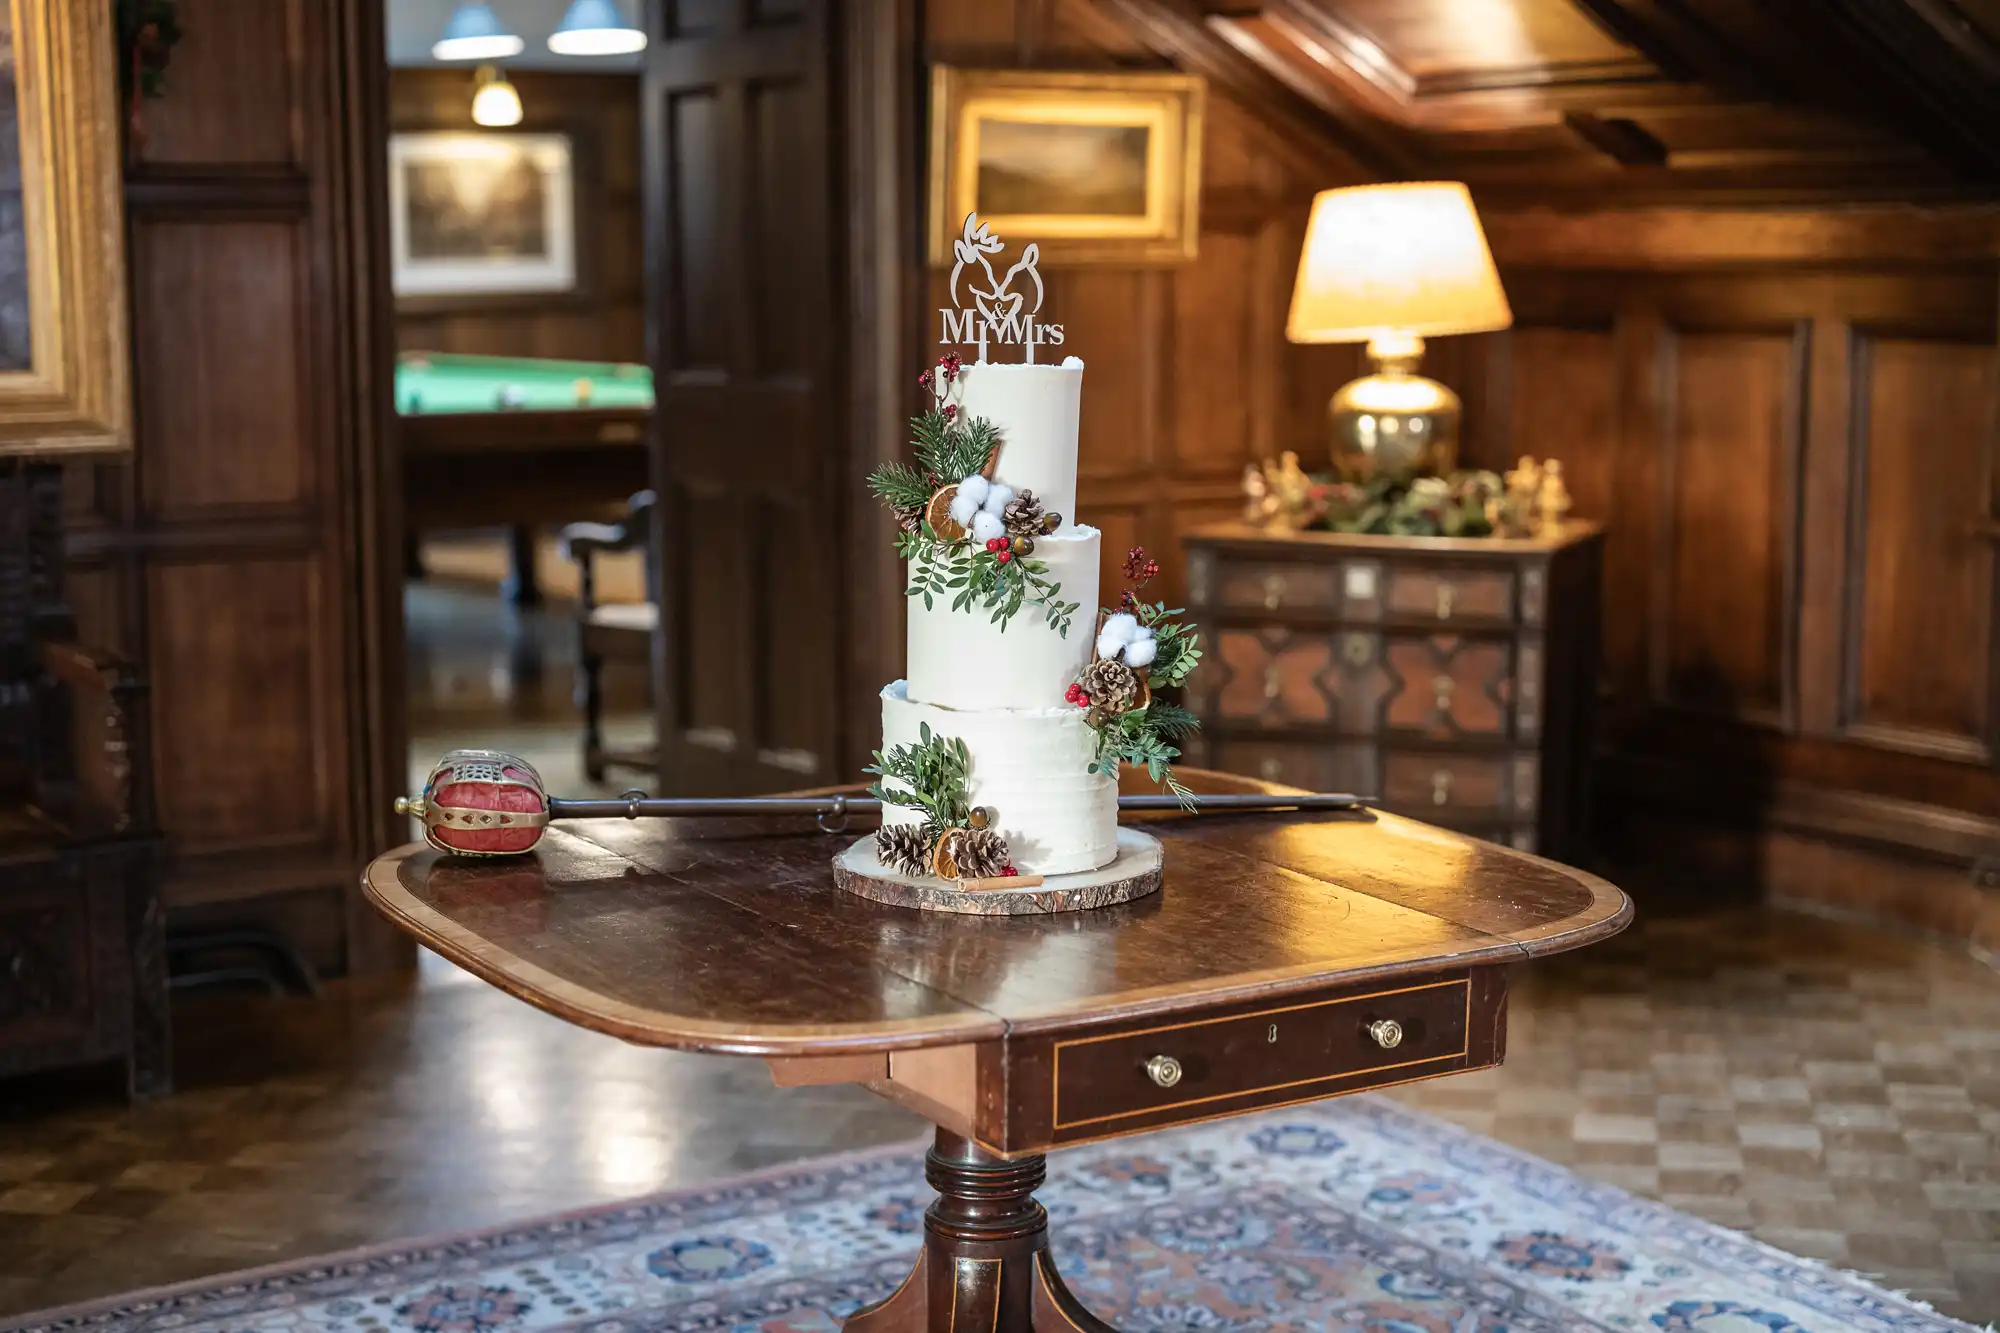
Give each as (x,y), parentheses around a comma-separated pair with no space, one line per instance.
(1335,149)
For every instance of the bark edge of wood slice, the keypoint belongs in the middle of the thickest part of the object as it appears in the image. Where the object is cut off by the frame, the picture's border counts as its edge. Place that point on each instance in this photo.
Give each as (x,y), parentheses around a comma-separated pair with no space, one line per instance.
(1136,871)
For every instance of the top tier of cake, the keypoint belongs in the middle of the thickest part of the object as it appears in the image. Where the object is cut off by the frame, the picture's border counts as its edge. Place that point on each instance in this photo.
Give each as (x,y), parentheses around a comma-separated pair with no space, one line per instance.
(1035,409)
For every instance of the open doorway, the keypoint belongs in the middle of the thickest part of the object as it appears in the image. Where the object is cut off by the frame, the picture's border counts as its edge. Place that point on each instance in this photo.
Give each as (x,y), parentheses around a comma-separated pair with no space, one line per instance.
(523,398)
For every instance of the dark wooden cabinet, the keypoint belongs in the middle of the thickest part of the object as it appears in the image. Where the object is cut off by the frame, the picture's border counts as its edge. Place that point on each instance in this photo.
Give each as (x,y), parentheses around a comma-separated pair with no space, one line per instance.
(83,974)
(1452,679)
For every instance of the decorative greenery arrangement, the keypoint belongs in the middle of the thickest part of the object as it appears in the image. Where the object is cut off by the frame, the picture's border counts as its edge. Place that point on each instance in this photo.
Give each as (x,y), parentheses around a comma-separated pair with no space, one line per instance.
(940,523)
(933,773)
(147,31)
(1463,504)
(1529,499)
(1141,648)
(954,841)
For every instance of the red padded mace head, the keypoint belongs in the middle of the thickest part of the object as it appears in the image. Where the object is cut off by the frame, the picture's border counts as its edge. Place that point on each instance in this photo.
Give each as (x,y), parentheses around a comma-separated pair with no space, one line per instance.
(483,803)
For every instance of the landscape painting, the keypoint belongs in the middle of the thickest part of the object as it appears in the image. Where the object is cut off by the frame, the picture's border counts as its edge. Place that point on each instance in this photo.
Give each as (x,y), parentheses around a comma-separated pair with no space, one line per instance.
(1030,166)
(481,214)
(1094,168)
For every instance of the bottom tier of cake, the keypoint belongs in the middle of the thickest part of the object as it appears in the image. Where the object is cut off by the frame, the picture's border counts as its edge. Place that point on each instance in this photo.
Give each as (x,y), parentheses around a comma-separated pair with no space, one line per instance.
(1029,769)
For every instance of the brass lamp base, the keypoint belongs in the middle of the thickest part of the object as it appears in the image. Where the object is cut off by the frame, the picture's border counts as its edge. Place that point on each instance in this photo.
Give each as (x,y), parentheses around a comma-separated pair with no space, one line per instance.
(1394,423)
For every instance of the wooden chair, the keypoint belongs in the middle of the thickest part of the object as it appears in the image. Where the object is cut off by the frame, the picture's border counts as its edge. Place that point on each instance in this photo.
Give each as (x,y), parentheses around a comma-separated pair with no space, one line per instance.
(619,632)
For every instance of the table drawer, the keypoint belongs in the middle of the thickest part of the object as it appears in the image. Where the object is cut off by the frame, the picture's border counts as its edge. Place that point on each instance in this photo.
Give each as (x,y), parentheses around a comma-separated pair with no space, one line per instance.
(1267,1055)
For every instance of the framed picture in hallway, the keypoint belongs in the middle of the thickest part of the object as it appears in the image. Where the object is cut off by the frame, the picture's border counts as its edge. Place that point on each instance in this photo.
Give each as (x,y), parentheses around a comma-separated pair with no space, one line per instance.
(481,214)
(64,387)
(1096,168)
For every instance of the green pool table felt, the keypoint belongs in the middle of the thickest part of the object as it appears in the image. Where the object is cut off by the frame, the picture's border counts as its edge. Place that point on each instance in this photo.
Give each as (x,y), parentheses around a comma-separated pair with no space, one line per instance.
(429,382)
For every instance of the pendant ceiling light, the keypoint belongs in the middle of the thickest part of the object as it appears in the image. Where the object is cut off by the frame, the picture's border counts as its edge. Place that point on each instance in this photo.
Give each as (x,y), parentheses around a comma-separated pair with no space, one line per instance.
(595,28)
(495,104)
(474,32)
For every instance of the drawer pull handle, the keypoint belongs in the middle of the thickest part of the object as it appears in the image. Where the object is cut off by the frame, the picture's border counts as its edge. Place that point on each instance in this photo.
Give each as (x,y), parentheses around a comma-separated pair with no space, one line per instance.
(1274,591)
(1444,599)
(1443,686)
(1387,1032)
(1271,769)
(1274,682)
(1165,1070)
(1441,787)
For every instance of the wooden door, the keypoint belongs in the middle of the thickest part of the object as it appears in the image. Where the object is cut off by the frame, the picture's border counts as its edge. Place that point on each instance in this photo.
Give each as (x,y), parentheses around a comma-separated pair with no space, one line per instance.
(741,313)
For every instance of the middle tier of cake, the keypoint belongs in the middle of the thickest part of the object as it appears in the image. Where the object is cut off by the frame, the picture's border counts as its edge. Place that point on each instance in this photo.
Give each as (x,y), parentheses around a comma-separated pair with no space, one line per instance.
(1031,768)
(962,660)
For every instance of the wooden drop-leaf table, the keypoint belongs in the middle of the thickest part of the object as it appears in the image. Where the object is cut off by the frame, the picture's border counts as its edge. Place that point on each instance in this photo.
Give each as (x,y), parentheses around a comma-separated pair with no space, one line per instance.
(1287,958)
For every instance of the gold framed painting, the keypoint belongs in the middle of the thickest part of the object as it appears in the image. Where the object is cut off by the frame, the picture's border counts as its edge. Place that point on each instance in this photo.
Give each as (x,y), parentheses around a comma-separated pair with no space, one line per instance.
(64,384)
(1096,168)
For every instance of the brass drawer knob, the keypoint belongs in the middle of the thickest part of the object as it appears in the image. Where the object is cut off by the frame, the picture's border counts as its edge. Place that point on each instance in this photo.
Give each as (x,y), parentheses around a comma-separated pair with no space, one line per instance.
(1164,1070)
(1444,601)
(1441,787)
(1387,1032)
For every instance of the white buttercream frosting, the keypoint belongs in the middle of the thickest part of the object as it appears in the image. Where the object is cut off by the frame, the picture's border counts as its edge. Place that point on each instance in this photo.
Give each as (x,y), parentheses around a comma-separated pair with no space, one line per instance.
(1035,409)
(1028,767)
(961,659)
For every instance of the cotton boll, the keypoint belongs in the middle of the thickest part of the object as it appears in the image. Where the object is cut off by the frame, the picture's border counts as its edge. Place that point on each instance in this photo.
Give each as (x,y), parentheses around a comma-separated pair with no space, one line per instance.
(1143,632)
(1121,628)
(973,488)
(963,507)
(985,527)
(997,497)
(1109,646)
(1141,652)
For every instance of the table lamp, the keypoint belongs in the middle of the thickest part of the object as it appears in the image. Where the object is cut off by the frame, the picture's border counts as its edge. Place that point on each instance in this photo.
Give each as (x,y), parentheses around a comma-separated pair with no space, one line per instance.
(1391,265)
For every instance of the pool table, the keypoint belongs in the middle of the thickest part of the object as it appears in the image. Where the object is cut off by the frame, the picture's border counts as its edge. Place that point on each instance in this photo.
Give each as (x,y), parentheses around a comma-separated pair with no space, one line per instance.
(519,442)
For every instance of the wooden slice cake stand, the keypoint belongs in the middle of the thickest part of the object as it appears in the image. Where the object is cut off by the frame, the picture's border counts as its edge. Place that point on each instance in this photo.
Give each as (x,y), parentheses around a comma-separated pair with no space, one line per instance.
(1133,873)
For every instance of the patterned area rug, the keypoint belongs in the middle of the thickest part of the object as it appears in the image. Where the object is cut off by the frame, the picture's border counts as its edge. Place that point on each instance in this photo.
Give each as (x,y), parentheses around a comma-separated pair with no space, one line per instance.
(1356,1216)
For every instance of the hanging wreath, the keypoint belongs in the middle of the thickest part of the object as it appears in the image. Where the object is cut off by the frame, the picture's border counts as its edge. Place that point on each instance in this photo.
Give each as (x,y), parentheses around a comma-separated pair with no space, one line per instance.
(147,32)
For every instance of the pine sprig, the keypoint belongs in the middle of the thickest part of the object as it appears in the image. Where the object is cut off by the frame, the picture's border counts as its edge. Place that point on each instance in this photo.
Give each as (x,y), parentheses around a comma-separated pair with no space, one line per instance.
(932,774)
(1145,739)
(950,449)
(900,486)
(971,576)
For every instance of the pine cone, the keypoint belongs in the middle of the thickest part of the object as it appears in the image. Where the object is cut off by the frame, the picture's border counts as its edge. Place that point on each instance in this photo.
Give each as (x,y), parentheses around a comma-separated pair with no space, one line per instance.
(1023,515)
(904,848)
(909,518)
(981,853)
(1112,686)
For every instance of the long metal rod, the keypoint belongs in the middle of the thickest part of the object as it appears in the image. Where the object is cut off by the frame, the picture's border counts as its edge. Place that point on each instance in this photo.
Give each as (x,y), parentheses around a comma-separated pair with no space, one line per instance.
(638,807)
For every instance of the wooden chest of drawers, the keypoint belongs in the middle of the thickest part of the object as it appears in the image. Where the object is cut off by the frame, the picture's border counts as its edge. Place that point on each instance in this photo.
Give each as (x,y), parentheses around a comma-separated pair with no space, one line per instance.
(1453,679)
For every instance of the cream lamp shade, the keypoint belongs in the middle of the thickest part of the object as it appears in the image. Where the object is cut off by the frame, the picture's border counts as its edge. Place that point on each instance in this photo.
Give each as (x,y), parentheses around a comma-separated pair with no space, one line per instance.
(1395,261)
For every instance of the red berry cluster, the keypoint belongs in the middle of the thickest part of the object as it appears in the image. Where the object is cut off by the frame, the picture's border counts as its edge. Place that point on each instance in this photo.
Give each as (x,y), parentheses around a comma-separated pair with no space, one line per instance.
(1001,547)
(946,369)
(950,411)
(1008,870)
(1075,695)
(1139,567)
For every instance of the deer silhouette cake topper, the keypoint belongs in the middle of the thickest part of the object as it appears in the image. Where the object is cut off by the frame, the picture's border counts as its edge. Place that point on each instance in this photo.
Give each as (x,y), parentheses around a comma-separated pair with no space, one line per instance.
(1000,311)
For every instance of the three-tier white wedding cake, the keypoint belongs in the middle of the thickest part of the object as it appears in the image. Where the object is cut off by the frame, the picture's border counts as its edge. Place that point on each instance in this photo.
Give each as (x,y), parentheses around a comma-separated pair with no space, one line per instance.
(1000,688)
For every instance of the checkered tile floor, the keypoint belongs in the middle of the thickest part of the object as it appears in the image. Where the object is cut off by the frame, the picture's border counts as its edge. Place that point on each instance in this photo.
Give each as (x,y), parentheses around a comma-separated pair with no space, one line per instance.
(1833,1089)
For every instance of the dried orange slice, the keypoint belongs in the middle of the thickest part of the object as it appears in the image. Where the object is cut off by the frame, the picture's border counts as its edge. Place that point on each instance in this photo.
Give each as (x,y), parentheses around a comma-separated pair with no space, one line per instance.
(938,514)
(944,864)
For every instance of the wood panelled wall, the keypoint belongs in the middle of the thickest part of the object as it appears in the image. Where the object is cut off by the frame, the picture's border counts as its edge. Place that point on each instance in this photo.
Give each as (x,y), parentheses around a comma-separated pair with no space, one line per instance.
(1788,419)
(1189,375)
(233,554)
(604,319)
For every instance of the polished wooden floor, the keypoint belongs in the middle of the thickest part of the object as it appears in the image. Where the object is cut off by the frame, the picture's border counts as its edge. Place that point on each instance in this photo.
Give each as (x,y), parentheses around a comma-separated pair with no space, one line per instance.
(1833,1089)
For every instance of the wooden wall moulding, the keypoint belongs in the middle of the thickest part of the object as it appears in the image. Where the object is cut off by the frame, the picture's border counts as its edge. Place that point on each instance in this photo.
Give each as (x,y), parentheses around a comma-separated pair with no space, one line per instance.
(246,552)
(63,359)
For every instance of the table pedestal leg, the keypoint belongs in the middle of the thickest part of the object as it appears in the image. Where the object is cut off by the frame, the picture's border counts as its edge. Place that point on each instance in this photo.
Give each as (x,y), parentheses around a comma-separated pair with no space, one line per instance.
(985,1267)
